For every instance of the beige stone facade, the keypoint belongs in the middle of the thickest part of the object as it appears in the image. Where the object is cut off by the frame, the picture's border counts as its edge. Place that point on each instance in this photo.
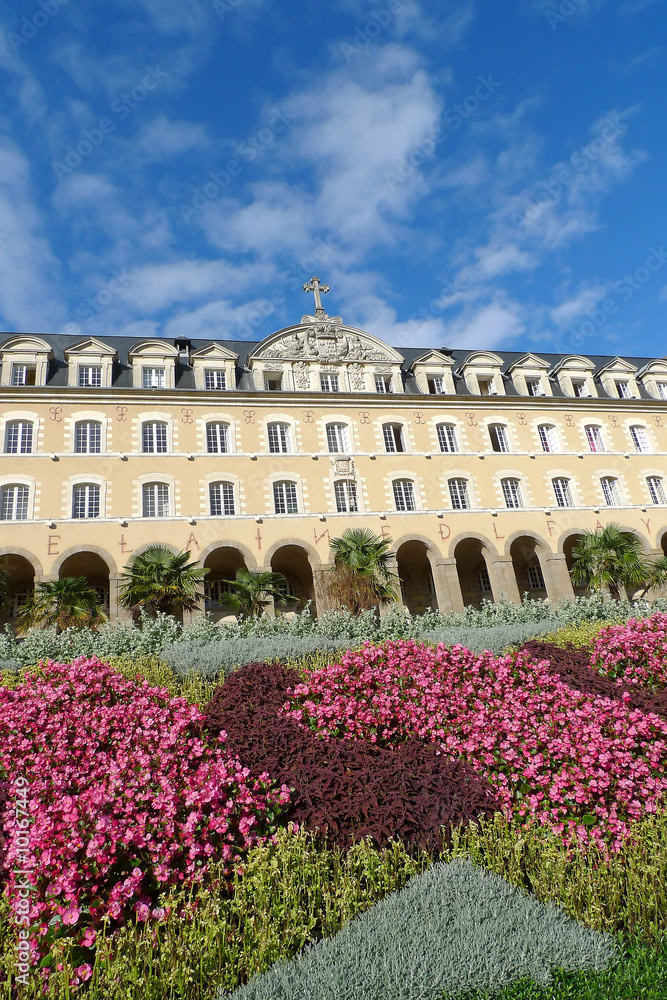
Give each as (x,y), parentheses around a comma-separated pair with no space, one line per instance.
(482,468)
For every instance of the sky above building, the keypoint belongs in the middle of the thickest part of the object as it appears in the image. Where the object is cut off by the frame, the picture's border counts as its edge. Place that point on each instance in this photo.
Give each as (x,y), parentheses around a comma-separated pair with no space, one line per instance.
(461,175)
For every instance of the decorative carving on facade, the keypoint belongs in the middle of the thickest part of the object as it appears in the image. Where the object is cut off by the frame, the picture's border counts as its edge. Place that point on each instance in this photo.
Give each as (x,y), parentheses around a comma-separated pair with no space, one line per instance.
(301,375)
(356,372)
(324,340)
(343,465)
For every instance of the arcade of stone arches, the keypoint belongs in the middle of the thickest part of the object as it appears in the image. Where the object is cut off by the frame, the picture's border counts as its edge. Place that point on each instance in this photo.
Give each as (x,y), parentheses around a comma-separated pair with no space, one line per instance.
(472,569)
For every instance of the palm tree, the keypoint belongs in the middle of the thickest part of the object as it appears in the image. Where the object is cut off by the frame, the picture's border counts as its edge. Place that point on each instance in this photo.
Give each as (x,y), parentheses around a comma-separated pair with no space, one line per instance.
(159,580)
(362,577)
(63,603)
(253,591)
(656,575)
(609,558)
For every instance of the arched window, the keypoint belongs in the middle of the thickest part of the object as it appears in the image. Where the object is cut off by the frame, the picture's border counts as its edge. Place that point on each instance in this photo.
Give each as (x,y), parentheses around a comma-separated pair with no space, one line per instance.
(393,437)
(404,494)
(640,438)
(458,493)
(88,437)
(217,438)
(562,492)
(548,437)
(346,496)
(14,501)
(612,494)
(18,437)
(280,439)
(499,438)
(338,438)
(447,438)
(154,437)
(594,438)
(512,492)
(222,499)
(155,500)
(86,500)
(285,498)
(656,489)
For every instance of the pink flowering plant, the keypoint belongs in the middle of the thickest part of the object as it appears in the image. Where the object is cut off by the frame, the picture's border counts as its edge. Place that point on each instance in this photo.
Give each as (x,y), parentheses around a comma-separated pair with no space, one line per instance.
(635,652)
(126,797)
(577,762)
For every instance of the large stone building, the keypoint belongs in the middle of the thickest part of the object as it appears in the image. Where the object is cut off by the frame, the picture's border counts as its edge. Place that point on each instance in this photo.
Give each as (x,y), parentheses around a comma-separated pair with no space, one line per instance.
(482,468)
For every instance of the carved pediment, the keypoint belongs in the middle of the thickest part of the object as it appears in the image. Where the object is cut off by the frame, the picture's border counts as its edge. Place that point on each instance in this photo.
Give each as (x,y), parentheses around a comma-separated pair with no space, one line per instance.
(324,339)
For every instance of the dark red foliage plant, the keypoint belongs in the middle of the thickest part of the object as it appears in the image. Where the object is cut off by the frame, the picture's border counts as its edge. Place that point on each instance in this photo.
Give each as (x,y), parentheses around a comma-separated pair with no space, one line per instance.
(343,789)
(573,665)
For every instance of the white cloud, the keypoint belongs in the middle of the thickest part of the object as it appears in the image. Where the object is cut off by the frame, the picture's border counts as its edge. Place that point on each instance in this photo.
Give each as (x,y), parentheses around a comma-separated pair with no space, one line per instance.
(586,298)
(163,137)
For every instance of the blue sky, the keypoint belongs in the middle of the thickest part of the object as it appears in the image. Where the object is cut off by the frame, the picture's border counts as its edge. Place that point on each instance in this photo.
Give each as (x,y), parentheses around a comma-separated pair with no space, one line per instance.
(461,175)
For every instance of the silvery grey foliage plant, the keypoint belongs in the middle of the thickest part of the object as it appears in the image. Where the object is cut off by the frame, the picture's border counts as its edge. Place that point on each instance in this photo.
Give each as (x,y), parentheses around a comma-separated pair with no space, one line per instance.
(455,928)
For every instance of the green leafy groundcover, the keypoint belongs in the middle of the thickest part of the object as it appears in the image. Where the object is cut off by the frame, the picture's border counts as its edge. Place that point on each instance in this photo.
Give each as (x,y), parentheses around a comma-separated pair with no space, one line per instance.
(456,928)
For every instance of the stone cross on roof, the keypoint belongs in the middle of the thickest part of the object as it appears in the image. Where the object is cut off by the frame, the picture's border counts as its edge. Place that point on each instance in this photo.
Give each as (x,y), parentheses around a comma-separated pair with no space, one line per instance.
(314,285)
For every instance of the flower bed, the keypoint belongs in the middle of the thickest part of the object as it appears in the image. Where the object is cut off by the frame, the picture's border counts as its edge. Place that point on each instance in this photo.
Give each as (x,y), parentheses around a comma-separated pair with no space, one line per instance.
(126,797)
(635,652)
(574,761)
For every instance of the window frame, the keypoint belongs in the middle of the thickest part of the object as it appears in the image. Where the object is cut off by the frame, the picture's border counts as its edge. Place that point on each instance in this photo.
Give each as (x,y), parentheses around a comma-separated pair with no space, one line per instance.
(160,371)
(547,433)
(155,450)
(83,383)
(385,382)
(283,430)
(226,501)
(511,490)
(611,491)
(393,433)
(342,433)
(158,487)
(447,431)
(656,491)
(22,424)
(405,489)
(217,424)
(79,437)
(329,377)
(22,507)
(433,381)
(640,439)
(215,374)
(458,494)
(20,372)
(502,437)
(592,431)
(93,496)
(562,492)
(345,493)
(284,486)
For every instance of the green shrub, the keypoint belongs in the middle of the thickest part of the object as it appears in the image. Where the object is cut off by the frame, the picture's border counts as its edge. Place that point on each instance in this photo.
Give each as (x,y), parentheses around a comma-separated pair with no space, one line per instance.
(582,634)
(456,927)
(220,658)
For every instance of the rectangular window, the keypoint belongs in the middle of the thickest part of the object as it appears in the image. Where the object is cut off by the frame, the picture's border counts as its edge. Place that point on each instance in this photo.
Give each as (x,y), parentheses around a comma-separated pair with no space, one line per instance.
(346,496)
(640,439)
(393,437)
(404,494)
(285,500)
(662,390)
(18,437)
(484,581)
(535,578)
(338,439)
(512,493)
(222,499)
(90,376)
(383,383)
(594,438)
(24,374)
(623,389)
(486,387)
(458,492)
(154,438)
(447,438)
(88,437)
(580,389)
(154,378)
(548,438)
(14,503)
(329,383)
(535,387)
(217,438)
(217,591)
(656,489)
(273,383)
(86,501)
(562,492)
(499,438)
(156,500)
(611,492)
(436,385)
(279,438)
(214,378)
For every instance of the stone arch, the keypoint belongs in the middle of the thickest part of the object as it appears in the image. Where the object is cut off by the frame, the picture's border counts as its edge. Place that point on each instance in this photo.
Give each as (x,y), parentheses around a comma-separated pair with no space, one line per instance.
(83,550)
(92,563)
(22,567)
(566,544)
(131,556)
(414,557)
(293,559)
(661,540)
(222,561)
(474,556)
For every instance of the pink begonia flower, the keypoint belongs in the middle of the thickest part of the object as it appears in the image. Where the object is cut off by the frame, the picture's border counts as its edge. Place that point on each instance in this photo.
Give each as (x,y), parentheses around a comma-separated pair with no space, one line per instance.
(71,916)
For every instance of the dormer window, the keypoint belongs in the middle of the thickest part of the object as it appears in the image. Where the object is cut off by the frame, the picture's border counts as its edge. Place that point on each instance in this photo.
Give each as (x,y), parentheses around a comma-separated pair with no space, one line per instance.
(383,383)
(623,390)
(662,389)
(153,378)
(436,385)
(485,386)
(535,387)
(273,383)
(24,374)
(580,388)
(90,376)
(214,378)
(328,382)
